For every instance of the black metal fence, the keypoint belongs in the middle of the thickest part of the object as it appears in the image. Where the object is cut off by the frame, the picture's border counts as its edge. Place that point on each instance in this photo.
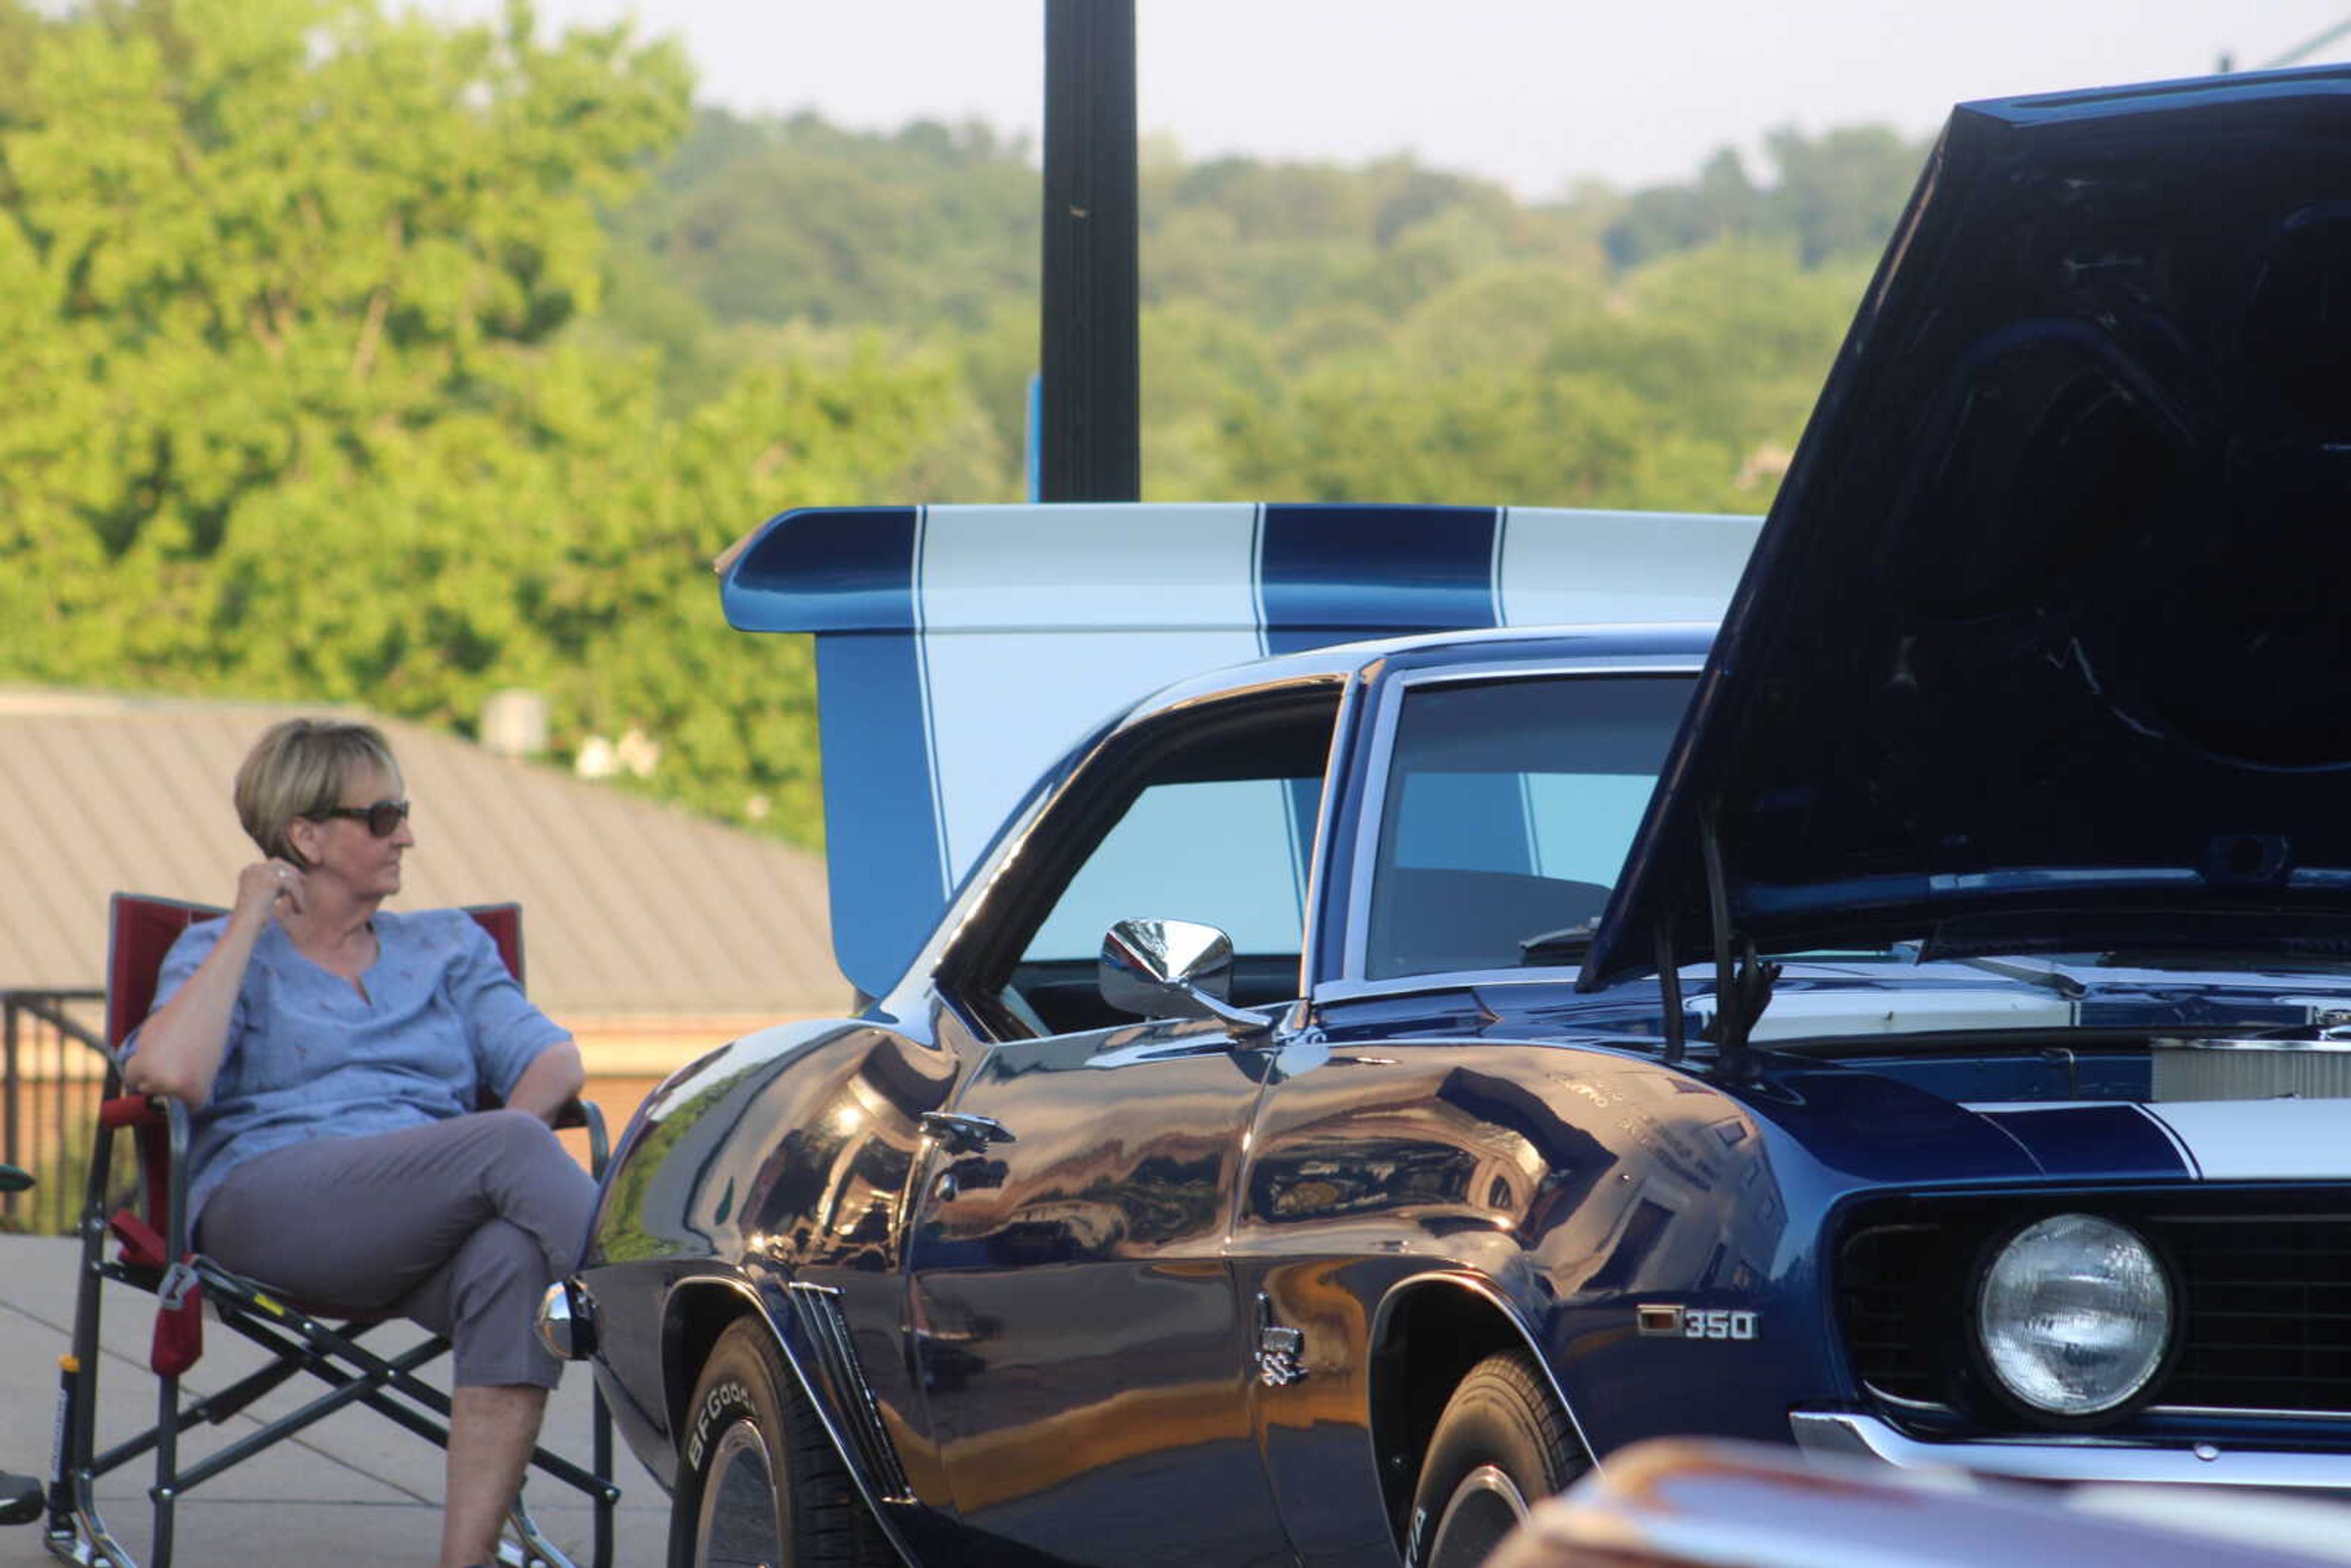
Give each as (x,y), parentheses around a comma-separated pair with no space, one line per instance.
(53,1064)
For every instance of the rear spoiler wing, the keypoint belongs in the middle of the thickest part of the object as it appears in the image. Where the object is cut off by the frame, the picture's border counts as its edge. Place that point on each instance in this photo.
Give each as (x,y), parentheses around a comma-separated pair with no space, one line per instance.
(960,651)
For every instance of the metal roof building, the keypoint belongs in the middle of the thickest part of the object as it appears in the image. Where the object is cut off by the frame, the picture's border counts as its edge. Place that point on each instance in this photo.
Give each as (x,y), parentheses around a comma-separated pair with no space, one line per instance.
(635,912)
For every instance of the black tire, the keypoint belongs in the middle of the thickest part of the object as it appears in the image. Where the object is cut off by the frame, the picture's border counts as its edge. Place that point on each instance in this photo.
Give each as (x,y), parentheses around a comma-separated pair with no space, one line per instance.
(759,1481)
(1503,1445)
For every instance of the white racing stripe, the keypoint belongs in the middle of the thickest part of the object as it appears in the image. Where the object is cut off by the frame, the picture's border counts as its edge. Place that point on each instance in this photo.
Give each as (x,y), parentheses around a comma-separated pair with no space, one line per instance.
(1802,1015)
(2261,1140)
(1126,609)
(1581,569)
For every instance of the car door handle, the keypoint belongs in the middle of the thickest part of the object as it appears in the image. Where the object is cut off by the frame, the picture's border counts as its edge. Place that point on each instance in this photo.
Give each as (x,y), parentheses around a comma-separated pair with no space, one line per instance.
(962,1132)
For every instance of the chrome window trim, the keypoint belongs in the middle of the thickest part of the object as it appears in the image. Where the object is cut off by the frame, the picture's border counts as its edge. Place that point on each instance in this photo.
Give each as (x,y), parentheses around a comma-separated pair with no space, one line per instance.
(1381,743)
(1334,768)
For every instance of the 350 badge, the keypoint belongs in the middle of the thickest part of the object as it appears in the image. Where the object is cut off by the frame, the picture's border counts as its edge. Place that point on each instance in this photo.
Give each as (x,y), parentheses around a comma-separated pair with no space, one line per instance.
(1695,1322)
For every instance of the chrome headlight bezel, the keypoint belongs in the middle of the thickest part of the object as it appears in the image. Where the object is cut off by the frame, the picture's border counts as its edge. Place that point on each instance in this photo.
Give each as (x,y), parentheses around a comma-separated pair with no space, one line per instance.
(1997,1381)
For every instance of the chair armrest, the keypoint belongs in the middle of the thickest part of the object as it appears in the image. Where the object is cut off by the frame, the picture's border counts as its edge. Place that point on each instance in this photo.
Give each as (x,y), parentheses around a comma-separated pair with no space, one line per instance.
(579,1112)
(131,1110)
(181,1131)
(162,1127)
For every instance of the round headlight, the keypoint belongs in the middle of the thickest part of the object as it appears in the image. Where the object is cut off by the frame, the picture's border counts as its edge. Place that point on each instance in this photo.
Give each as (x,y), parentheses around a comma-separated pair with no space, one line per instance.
(2074,1315)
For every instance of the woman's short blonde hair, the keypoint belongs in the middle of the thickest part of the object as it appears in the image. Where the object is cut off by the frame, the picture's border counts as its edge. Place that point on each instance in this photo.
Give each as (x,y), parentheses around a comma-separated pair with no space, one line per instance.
(298,768)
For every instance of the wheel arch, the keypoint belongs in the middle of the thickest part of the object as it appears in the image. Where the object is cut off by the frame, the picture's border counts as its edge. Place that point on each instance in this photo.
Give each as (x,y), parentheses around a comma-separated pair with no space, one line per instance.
(700,1309)
(1427,1333)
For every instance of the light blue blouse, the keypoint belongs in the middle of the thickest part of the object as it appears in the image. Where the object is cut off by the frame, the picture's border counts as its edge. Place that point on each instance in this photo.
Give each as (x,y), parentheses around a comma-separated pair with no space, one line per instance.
(309,1057)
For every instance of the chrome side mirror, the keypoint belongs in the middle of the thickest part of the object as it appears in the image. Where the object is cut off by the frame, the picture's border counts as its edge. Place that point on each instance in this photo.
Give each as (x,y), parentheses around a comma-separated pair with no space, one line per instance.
(1172,968)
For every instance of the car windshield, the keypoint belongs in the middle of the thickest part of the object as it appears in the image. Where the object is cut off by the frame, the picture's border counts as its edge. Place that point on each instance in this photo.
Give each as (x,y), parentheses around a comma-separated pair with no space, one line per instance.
(1511,805)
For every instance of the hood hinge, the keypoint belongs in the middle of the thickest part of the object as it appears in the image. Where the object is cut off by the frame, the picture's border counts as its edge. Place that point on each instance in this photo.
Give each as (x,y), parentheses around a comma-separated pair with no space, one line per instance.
(1669,992)
(1742,988)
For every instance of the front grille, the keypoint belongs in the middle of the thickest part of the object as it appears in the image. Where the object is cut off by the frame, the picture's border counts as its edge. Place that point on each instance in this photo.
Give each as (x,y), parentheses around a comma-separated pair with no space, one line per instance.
(1891,1327)
(2268,1312)
(2265,1298)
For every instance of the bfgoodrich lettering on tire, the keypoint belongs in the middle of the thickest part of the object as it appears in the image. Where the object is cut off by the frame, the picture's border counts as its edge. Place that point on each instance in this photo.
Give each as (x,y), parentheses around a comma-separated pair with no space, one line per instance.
(759,1485)
(1501,1446)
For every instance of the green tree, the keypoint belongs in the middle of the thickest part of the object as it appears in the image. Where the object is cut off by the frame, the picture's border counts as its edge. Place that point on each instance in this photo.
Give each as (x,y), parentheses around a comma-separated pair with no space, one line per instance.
(1683,386)
(307,412)
(769,221)
(254,241)
(1841,192)
(1662,219)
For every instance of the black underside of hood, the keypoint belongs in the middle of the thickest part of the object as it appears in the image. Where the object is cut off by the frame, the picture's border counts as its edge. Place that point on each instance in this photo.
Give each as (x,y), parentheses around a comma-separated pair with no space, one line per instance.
(2048,635)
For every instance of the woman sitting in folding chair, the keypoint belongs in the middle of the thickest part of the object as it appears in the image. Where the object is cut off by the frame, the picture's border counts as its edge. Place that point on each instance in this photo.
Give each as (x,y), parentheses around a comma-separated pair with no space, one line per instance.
(333,1054)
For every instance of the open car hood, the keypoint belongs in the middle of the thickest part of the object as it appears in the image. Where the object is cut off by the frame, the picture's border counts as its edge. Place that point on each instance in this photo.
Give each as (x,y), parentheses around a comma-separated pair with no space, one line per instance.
(2047,640)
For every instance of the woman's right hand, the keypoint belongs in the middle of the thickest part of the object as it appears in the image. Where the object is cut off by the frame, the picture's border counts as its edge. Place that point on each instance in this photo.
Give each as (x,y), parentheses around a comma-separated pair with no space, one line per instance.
(181,1045)
(264,887)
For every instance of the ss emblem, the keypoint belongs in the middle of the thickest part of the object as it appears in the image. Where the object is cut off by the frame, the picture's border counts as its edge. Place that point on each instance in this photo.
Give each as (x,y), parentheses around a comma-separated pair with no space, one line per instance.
(1695,1322)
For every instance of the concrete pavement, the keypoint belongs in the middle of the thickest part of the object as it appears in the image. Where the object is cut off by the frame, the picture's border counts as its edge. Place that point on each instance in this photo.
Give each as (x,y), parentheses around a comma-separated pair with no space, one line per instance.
(354,1492)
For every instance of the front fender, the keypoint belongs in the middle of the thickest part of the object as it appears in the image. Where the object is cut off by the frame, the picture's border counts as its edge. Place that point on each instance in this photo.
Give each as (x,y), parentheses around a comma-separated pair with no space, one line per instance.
(1568,1186)
(792,1143)
(775,1171)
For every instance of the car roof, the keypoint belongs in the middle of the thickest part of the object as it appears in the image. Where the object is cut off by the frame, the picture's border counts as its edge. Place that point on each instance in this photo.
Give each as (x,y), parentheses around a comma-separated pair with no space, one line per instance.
(1491,647)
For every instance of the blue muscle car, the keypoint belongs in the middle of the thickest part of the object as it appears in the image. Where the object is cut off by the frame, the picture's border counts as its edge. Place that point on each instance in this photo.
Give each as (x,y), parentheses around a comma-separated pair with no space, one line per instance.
(1880,983)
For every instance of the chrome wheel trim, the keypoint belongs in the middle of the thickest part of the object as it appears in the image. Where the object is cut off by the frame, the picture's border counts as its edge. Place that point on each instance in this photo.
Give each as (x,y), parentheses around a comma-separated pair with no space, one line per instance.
(739,1524)
(1485,1506)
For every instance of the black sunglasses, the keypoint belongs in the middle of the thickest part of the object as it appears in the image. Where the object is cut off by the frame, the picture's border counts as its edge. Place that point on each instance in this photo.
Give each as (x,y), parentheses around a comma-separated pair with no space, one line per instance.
(382,819)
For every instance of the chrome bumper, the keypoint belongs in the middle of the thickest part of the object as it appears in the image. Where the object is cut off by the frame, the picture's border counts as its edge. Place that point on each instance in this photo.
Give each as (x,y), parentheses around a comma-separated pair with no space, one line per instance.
(1847,1435)
(567,1333)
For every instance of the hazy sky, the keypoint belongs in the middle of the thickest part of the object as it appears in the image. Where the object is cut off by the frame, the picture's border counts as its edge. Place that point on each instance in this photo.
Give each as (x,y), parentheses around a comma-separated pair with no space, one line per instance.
(1534,92)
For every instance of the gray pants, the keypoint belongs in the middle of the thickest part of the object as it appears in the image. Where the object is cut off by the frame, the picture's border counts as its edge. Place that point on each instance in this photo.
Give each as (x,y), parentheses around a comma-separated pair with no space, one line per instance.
(460,1225)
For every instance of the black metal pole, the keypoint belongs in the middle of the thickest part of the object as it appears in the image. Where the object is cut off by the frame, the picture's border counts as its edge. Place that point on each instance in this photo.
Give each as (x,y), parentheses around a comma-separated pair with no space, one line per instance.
(1090,444)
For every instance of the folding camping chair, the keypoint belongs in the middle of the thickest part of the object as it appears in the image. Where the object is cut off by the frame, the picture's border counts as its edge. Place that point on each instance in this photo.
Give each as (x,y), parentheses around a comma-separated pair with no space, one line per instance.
(155,1257)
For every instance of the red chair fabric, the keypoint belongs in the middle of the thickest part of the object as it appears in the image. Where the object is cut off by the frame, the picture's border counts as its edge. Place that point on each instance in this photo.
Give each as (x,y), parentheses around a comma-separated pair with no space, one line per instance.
(141,931)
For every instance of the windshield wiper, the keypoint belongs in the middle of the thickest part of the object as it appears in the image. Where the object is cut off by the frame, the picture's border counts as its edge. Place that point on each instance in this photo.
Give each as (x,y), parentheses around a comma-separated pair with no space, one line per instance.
(2051,978)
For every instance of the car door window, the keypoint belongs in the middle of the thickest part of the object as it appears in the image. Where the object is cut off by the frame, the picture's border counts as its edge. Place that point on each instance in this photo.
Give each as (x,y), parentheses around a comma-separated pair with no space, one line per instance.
(1227,852)
(1214,824)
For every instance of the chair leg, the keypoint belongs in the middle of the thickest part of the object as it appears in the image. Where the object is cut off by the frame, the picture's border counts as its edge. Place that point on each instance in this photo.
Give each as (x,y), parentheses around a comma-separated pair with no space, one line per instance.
(76,1532)
(600,1438)
(535,1550)
(165,1493)
(531,1548)
(82,1538)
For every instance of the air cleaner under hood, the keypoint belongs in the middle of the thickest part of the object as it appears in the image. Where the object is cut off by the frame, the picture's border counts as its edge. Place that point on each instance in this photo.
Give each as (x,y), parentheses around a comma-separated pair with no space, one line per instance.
(2047,641)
